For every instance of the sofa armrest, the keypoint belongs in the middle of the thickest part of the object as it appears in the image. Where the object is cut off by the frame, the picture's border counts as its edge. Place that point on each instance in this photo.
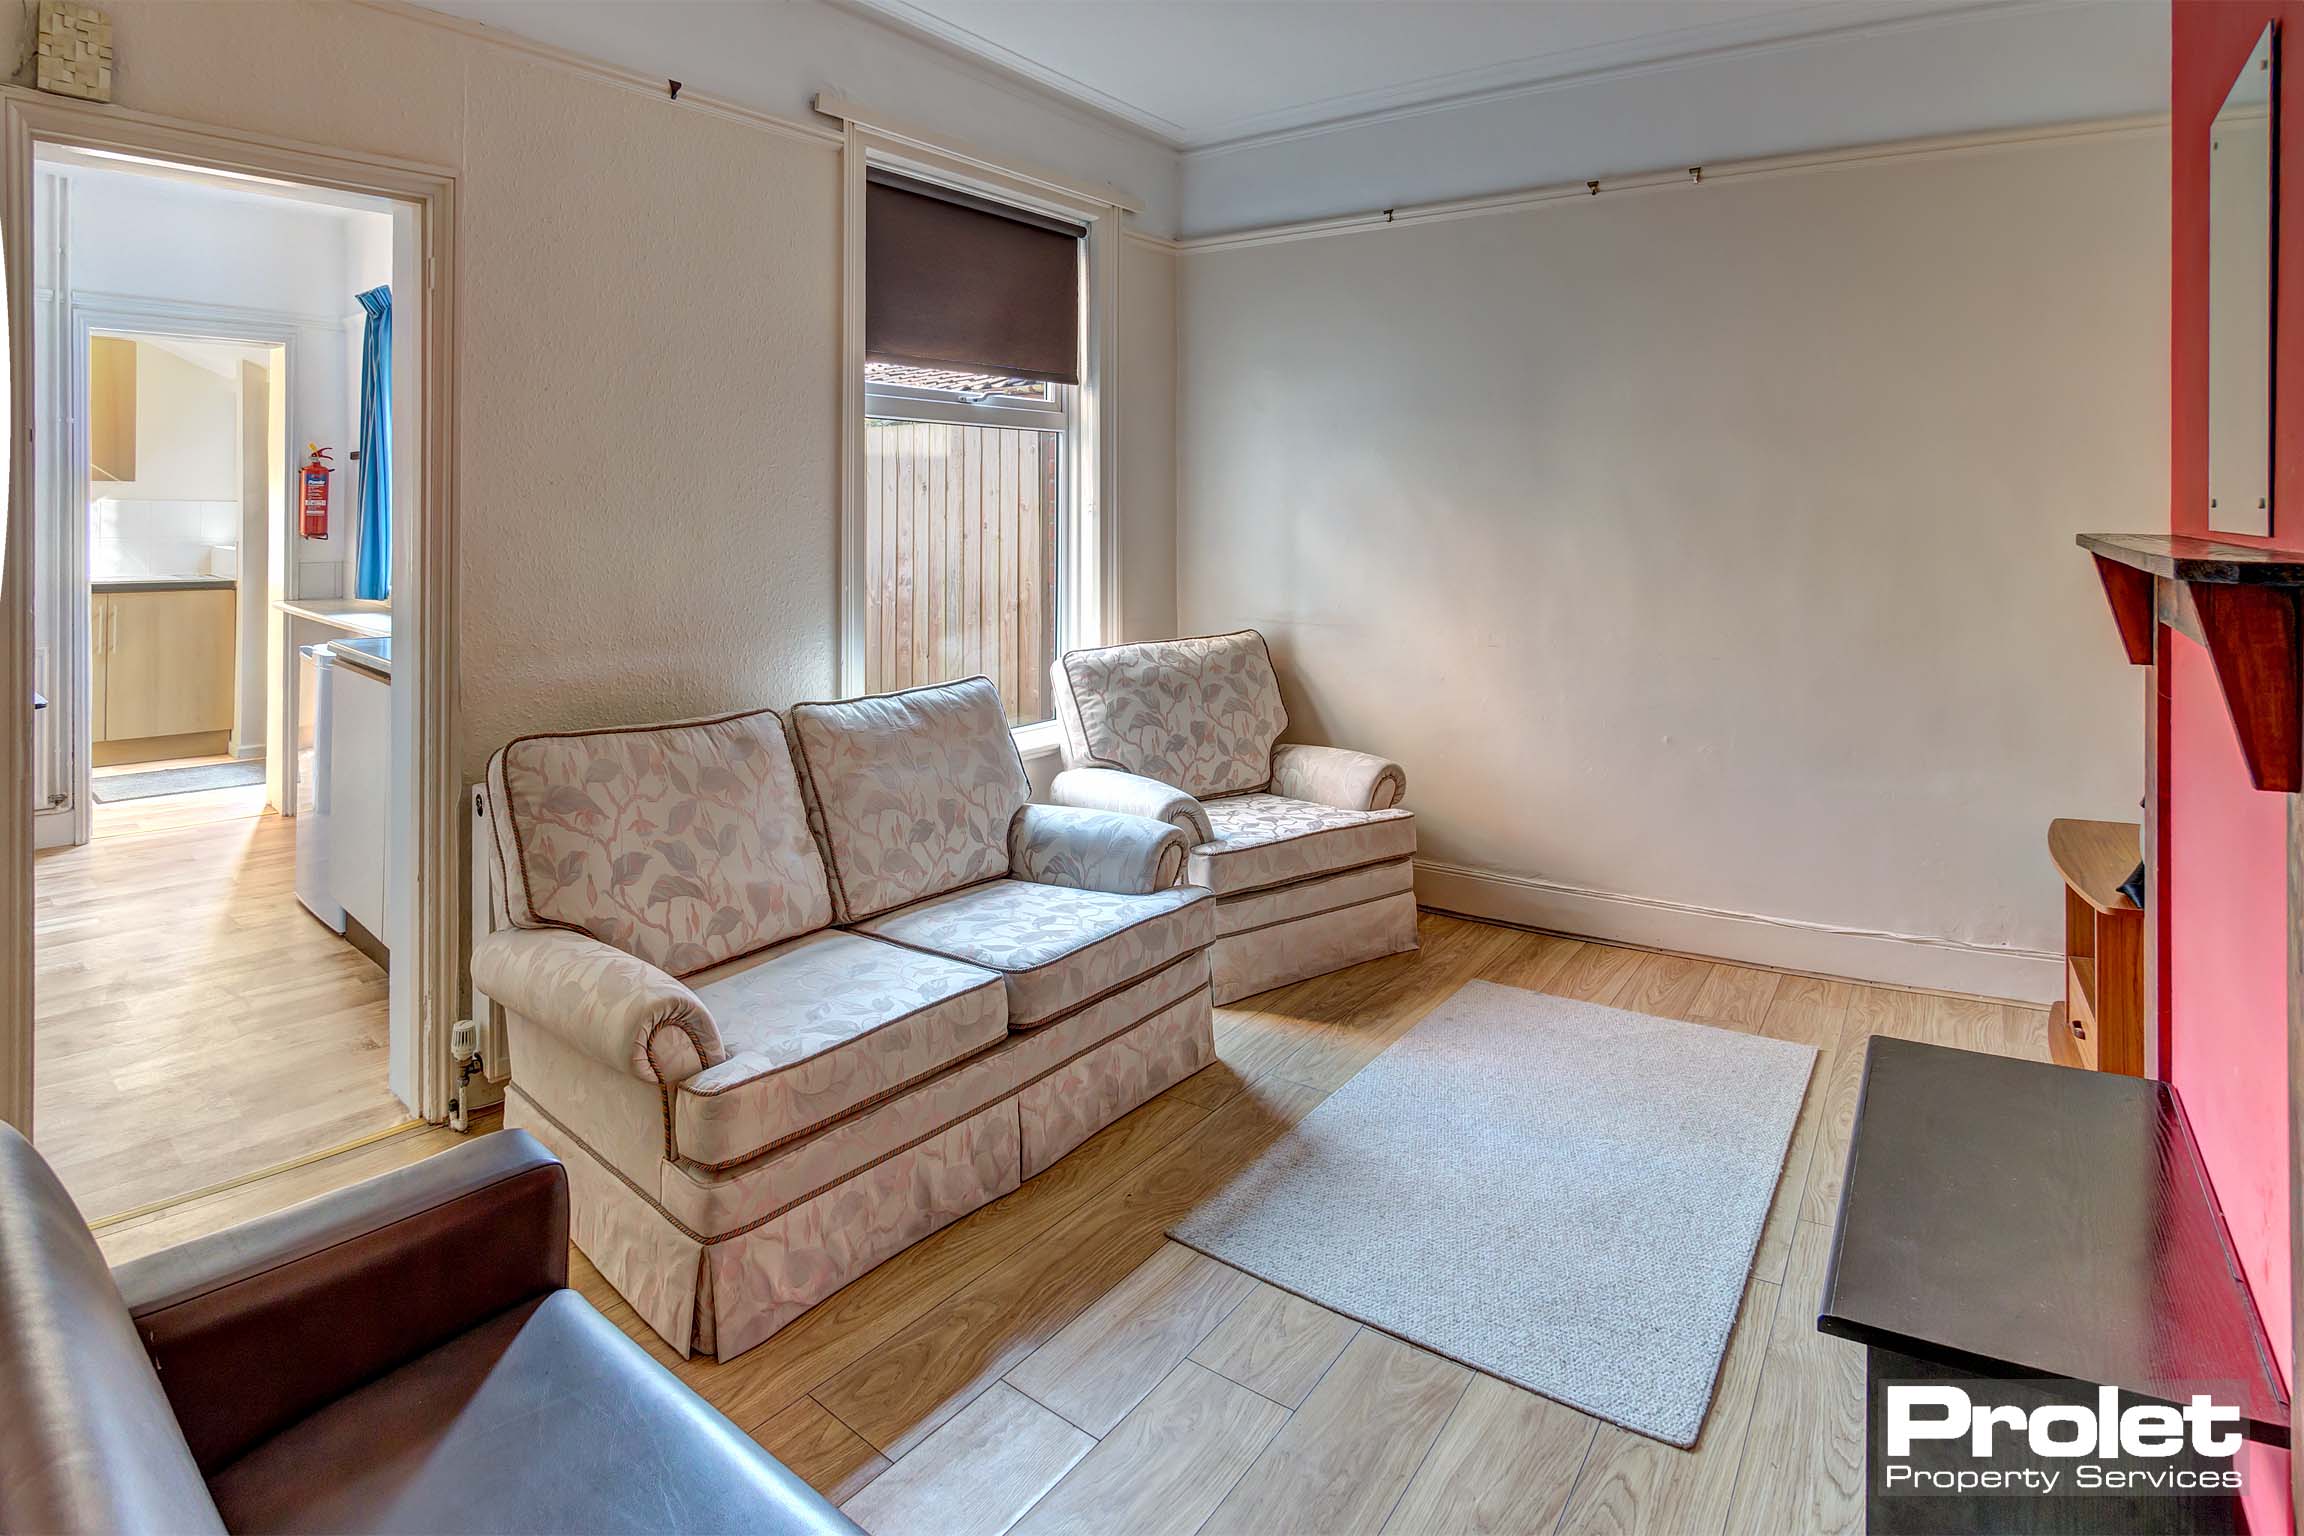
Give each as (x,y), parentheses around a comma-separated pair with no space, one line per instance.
(1095,850)
(256,1327)
(1352,781)
(610,1005)
(1132,794)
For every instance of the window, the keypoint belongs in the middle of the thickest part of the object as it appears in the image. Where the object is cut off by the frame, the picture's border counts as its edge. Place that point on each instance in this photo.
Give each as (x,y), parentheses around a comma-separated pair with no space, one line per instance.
(963,494)
(965,519)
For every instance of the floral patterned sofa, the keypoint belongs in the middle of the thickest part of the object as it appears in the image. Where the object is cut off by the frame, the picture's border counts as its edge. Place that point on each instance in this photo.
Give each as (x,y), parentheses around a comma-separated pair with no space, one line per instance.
(1307,849)
(788,994)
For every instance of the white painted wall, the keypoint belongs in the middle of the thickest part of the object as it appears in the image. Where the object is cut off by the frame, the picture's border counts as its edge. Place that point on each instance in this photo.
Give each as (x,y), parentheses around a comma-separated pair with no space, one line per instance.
(1710,549)
(138,234)
(187,427)
(1147,431)
(1875,80)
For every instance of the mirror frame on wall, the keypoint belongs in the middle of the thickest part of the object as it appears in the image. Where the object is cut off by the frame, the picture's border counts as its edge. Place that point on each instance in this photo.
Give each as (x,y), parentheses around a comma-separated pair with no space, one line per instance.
(2243,244)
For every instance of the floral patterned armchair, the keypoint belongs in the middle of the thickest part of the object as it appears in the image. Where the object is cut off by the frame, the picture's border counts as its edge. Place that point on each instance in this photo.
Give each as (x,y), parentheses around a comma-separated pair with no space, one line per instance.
(787,994)
(1306,848)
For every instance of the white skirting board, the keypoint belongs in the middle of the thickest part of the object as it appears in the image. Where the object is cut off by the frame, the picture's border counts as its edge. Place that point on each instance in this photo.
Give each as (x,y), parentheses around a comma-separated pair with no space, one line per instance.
(1946,965)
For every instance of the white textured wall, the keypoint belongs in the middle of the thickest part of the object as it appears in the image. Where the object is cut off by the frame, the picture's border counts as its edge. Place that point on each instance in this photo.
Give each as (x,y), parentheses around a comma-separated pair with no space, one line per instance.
(1710,546)
(777,57)
(1148,442)
(650,397)
(647,372)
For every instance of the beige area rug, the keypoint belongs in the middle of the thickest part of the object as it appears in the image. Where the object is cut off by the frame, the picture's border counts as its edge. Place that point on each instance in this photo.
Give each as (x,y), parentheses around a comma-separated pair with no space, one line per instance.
(1564,1195)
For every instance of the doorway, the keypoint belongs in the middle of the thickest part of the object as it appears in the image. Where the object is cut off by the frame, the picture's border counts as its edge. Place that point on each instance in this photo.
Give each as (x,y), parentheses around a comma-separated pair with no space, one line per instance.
(225,792)
(174,503)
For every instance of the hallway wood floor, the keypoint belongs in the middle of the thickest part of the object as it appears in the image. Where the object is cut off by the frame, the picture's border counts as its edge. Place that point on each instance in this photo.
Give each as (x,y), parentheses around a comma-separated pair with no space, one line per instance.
(1053,1363)
(194,1024)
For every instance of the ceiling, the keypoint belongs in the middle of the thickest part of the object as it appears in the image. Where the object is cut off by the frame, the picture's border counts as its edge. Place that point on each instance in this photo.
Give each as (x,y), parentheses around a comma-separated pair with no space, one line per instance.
(1202,73)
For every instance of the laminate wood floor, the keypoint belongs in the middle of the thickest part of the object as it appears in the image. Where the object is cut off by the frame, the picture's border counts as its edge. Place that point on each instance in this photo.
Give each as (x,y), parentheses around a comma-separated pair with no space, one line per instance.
(194,1024)
(1137,1387)
(1053,1363)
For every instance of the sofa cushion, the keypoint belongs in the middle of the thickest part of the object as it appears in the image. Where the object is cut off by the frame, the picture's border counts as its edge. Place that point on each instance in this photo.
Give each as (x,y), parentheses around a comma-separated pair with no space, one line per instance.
(820,1026)
(1201,714)
(911,792)
(545,1418)
(1058,947)
(686,845)
(1267,840)
(723,1201)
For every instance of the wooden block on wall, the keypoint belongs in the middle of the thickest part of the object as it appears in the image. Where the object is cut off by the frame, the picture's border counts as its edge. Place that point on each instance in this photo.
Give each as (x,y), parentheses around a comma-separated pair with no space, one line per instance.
(73,51)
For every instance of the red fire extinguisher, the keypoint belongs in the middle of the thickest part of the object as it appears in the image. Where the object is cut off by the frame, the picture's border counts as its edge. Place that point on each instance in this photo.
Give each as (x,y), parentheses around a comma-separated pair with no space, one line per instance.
(312,500)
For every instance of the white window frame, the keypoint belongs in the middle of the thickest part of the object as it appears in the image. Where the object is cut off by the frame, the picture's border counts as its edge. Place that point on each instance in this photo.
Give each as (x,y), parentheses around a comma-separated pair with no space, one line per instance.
(905,402)
(1088,544)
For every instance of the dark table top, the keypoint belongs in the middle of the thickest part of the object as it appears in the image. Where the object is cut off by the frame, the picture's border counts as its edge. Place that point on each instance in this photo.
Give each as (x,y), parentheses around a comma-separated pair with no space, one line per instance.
(2013,1218)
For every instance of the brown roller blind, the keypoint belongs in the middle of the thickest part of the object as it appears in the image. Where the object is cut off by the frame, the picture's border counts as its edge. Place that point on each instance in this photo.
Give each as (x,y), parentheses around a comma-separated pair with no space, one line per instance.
(956,282)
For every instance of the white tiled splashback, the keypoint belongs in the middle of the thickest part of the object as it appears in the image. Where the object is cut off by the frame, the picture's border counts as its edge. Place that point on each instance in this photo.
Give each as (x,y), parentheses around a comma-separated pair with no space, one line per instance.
(162,538)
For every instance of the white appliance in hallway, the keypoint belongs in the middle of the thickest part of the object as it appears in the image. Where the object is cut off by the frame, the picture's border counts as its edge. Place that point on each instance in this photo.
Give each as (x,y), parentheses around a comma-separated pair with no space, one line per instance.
(343,784)
(314,698)
(358,766)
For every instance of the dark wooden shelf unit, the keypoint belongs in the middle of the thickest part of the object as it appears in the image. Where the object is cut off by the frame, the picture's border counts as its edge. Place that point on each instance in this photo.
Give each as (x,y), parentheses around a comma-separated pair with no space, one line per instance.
(2100,1023)
(2242,603)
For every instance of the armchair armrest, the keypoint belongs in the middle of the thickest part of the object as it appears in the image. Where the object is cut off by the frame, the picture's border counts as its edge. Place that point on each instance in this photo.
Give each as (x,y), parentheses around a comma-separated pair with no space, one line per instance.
(1352,781)
(258,1326)
(1131,794)
(1095,850)
(610,1005)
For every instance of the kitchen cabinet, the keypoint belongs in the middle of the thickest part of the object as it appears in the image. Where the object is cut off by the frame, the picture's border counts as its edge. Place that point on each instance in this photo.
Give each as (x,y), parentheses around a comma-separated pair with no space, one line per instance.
(161,673)
(111,408)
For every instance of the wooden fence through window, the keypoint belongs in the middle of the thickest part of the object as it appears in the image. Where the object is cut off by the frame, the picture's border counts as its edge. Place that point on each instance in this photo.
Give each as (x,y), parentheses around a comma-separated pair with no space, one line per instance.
(960,558)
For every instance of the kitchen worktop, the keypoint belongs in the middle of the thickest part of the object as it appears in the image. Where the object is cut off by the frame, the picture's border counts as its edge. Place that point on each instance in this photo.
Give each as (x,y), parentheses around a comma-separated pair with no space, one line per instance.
(370,653)
(164,584)
(350,615)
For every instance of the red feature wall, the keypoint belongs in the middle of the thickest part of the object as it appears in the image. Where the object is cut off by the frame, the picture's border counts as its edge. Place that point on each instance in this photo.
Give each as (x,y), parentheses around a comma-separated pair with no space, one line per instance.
(2221,889)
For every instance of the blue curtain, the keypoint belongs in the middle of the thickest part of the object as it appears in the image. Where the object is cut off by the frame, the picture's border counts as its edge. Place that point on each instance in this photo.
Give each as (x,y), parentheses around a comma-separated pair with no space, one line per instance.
(373,578)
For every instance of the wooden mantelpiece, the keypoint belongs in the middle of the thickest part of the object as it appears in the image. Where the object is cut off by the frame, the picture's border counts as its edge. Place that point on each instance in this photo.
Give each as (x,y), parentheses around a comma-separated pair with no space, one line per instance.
(2244,603)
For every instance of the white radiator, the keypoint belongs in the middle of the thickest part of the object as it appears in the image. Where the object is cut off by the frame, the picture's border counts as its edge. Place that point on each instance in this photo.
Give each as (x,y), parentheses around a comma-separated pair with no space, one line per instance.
(487,916)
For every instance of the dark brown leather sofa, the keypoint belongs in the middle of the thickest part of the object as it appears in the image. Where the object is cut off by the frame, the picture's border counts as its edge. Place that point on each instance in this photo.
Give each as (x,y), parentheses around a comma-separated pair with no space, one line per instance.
(402,1355)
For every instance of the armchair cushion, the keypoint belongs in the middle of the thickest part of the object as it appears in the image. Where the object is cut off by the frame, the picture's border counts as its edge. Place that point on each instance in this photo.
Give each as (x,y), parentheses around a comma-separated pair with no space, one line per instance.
(1268,840)
(88,1441)
(1059,948)
(1352,781)
(686,845)
(546,1418)
(821,1025)
(1095,850)
(256,1327)
(1201,714)
(1131,794)
(911,792)
(614,1007)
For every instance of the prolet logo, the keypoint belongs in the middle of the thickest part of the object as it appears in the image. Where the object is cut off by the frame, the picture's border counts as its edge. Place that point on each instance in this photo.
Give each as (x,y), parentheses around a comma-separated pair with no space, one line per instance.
(1935,1411)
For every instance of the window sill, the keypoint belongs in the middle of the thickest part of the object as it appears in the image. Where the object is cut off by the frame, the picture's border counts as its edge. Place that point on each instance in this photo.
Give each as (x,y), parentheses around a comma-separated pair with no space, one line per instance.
(1045,739)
